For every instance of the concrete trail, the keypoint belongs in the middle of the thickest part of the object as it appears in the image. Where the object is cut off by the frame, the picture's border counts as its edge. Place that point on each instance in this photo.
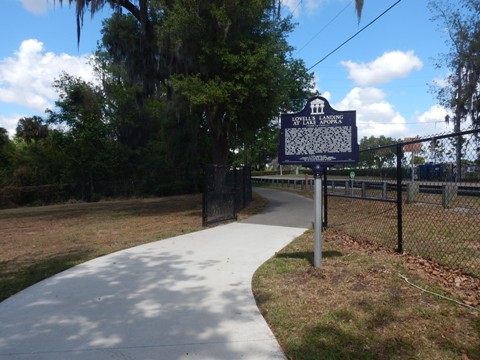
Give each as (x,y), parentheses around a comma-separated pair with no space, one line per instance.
(188,297)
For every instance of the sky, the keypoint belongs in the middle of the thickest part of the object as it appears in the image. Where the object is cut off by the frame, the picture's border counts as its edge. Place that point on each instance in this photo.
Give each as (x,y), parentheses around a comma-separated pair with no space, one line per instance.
(384,73)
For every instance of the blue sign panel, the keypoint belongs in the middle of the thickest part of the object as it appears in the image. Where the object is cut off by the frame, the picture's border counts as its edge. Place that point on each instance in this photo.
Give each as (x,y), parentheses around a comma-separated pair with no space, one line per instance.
(318,136)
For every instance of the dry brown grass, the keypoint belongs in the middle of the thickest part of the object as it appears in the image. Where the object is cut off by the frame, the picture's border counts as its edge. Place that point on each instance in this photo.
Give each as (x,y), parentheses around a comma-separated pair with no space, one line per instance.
(38,242)
(356,306)
(447,236)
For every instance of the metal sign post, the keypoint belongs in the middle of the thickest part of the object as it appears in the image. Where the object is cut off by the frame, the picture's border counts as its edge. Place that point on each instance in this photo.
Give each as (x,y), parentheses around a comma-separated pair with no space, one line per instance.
(317,256)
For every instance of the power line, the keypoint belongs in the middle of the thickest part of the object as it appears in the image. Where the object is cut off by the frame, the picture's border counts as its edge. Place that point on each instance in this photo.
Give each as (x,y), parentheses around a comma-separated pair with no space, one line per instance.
(353,36)
(323,28)
(296,7)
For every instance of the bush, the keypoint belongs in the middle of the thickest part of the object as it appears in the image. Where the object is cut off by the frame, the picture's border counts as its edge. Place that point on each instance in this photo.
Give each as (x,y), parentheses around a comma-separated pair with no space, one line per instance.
(13,196)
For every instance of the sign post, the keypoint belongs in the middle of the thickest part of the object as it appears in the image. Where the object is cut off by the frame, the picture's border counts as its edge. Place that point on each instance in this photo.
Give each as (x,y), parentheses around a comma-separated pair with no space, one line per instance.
(318,137)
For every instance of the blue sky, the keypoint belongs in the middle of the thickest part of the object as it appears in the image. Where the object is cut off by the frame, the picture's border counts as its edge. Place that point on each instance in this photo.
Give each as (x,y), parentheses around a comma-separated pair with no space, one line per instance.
(383,73)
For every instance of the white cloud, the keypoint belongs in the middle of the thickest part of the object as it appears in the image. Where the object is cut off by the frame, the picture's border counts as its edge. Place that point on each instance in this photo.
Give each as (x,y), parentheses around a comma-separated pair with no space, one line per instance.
(10,123)
(432,121)
(441,82)
(391,65)
(375,116)
(26,78)
(327,95)
(295,7)
(435,113)
(36,6)
(312,5)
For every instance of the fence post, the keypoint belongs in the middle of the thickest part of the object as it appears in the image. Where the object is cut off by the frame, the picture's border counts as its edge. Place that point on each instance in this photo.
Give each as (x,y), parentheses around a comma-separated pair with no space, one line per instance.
(399,200)
(449,192)
(204,206)
(364,190)
(413,190)
(384,190)
(235,200)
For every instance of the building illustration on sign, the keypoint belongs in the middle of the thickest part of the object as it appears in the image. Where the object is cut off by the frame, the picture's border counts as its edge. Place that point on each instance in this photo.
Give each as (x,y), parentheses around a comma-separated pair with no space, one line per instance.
(318,135)
(317,105)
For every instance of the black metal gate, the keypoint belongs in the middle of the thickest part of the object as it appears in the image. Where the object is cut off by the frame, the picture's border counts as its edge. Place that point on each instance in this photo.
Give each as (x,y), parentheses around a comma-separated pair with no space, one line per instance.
(227,190)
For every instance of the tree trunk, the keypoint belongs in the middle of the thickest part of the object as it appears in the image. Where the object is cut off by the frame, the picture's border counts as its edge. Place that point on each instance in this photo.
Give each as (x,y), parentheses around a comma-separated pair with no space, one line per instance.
(219,148)
(219,131)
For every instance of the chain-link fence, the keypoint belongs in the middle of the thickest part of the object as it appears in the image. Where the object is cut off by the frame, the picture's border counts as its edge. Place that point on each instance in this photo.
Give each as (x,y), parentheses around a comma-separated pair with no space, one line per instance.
(227,191)
(421,196)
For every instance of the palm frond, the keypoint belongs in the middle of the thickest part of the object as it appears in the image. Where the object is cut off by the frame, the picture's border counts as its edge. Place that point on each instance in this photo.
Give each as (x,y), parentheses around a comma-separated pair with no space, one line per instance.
(82,6)
(359,8)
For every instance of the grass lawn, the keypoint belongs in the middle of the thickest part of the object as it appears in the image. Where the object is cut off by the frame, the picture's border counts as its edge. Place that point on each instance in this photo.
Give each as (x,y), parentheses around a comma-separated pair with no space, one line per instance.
(357,306)
(38,242)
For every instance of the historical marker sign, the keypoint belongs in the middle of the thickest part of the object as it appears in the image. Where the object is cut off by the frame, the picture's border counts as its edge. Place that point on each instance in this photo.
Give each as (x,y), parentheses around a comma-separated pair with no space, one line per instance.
(318,136)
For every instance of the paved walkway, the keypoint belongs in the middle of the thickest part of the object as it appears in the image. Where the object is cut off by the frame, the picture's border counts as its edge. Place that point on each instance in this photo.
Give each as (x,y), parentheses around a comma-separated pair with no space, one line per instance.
(187,297)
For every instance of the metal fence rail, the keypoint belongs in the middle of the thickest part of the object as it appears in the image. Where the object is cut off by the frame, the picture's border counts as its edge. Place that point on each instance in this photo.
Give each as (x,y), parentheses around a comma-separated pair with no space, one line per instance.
(227,191)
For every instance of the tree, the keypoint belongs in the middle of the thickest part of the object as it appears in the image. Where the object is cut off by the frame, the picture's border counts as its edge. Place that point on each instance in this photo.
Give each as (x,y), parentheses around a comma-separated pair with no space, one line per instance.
(141,11)
(145,12)
(87,137)
(377,158)
(4,156)
(462,23)
(168,139)
(118,63)
(3,137)
(359,8)
(461,20)
(261,149)
(239,80)
(31,129)
(221,62)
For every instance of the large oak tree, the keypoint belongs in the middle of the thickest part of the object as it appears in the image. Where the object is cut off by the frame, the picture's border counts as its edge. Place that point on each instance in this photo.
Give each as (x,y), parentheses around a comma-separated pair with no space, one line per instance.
(224,63)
